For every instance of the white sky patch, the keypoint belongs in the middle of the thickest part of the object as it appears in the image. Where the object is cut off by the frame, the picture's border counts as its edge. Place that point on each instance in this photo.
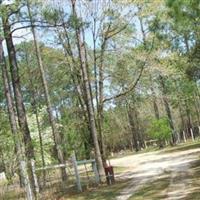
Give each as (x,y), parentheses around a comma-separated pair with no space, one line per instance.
(21,35)
(7,2)
(53,3)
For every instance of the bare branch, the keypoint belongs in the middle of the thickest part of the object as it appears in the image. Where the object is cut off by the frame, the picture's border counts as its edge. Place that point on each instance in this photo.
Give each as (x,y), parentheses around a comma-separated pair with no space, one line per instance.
(131,87)
(38,26)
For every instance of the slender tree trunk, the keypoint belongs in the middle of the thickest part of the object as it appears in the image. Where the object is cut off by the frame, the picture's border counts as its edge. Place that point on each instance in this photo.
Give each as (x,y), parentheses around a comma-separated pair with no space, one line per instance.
(181,115)
(100,101)
(196,108)
(139,131)
(10,107)
(24,178)
(91,115)
(186,43)
(33,94)
(133,129)
(188,115)
(56,134)
(40,139)
(180,109)
(20,108)
(17,90)
(155,106)
(95,64)
(167,109)
(79,89)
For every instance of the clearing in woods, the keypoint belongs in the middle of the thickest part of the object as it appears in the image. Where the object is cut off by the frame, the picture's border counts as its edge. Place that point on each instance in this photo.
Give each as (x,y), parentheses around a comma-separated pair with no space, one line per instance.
(171,174)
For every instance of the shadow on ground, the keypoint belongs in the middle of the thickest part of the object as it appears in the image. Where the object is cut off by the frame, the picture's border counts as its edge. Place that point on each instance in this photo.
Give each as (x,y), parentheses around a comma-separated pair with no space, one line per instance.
(159,189)
(104,192)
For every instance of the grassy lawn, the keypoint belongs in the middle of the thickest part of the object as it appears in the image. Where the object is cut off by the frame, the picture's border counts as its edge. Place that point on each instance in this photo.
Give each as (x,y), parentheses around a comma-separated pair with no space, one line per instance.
(103,192)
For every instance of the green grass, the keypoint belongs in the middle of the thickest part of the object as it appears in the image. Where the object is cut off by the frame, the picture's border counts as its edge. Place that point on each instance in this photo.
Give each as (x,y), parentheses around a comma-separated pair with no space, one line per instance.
(104,192)
(12,195)
(90,191)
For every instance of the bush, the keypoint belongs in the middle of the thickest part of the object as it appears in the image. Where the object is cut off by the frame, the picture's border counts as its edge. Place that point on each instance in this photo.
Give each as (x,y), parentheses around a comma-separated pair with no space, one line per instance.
(159,129)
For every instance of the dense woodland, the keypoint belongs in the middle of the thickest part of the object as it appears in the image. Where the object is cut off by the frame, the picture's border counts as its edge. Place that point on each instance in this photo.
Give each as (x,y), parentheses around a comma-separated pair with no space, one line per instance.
(95,77)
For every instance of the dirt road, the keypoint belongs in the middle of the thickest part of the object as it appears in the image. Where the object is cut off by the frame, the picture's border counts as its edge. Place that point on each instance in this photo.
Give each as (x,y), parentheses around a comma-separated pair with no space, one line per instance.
(147,167)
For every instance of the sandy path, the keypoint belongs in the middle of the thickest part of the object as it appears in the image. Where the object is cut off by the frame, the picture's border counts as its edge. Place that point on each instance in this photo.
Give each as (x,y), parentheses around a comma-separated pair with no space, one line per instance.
(147,167)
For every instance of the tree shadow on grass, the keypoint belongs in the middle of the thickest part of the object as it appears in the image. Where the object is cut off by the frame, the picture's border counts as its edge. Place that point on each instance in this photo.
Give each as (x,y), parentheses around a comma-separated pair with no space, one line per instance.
(103,192)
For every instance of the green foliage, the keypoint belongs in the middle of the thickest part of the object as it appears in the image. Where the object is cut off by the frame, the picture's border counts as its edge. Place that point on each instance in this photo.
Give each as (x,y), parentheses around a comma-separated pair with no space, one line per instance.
(75,22)
(159,129)
(51,15)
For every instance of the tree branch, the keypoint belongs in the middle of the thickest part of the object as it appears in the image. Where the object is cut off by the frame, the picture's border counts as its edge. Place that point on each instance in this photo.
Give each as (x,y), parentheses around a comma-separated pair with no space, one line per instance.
(38,26)
(131,87)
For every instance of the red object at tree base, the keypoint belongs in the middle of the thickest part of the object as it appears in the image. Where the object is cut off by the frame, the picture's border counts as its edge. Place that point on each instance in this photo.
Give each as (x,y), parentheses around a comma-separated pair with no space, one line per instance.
(110,178)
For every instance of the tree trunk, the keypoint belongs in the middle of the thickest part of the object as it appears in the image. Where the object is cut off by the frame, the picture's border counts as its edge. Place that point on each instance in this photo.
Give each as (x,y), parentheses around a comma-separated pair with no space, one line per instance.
(79,89)
(56,134)
(133,127)
(24,178)
(35,111)
(134,131)
(100,101)
(84,70)
(20,108)
(188,115)
(181,113)
(196,108)
(155,106)
(21,113)
(167,109)
(10,107)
